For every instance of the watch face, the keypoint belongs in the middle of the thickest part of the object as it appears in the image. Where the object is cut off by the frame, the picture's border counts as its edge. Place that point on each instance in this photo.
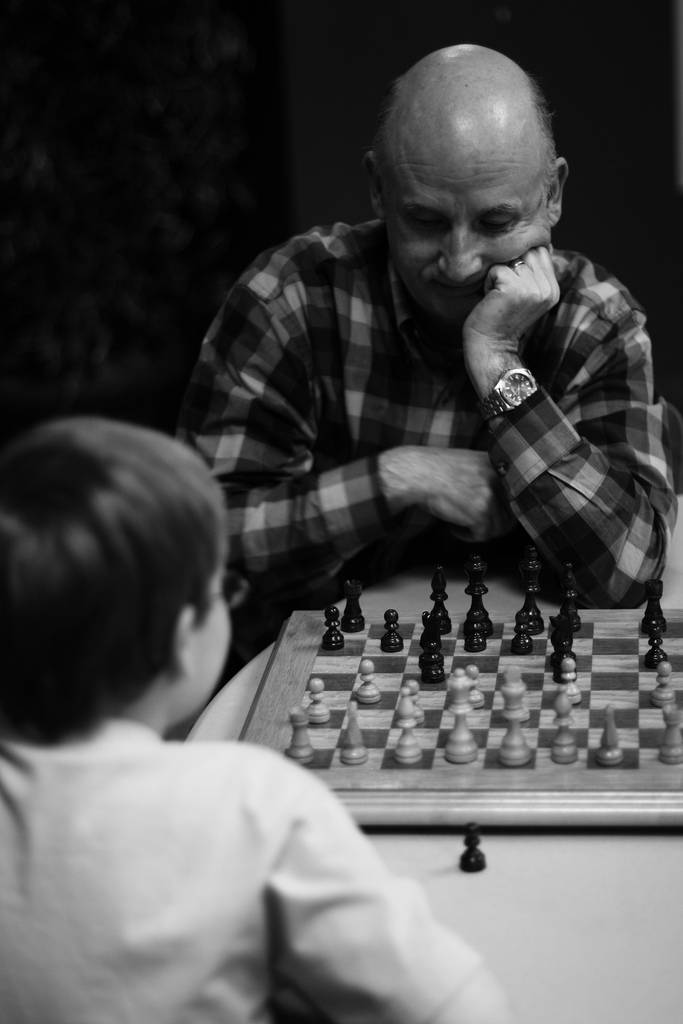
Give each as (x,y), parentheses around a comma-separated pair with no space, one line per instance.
(516,386)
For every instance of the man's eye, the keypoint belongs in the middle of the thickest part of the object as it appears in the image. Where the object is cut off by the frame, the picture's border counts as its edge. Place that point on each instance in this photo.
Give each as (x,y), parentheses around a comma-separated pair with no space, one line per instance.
(497,227)
(424,218)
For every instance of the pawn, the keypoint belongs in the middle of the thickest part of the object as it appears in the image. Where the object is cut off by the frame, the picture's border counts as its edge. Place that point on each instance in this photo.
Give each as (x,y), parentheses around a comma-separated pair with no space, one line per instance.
(353,749)
(300,746)
(609,752)
(671,750)
(413,688)
(318,711)
(656,653)
(472,858)
(392,640)
(563,749)
(663,695)
(476,696)
(522,642)
(333,638)
(405,709)
(458,691)
(407,749)
(461,746)
(568,681)
(368,692)
(514,750)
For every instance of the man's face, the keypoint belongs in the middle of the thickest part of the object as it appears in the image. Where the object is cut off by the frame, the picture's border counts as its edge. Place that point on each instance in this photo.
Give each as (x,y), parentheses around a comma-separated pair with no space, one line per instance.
(449,221)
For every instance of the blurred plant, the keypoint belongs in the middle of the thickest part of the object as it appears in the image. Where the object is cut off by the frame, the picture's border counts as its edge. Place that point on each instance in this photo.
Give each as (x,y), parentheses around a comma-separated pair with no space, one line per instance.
(121,134)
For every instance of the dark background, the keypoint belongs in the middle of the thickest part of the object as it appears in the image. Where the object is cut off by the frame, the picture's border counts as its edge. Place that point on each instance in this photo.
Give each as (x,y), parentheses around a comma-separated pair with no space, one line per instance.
(149,150)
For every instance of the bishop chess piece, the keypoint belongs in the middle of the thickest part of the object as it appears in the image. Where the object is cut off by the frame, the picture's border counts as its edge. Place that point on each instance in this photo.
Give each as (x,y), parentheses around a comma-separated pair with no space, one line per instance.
(353,749)
(317,710)
(570,594)
(431,659)
(300,748)
(367,692)
(392,641)
(333,638)
(439,597)
(530,570)
(609,753)
(353,620)
(653,617)
(472,858)
(663,695)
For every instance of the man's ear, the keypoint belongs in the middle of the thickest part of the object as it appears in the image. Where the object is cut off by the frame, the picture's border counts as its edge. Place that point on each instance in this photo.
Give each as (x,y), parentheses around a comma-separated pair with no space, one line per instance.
(181,648)
(375,182)
(556,189)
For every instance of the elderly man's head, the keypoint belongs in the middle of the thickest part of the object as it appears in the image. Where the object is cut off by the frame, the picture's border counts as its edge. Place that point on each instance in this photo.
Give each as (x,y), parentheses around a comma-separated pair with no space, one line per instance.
(464,172)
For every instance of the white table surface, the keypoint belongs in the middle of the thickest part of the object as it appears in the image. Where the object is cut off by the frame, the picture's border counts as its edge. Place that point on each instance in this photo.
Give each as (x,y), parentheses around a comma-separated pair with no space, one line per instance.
(579,926)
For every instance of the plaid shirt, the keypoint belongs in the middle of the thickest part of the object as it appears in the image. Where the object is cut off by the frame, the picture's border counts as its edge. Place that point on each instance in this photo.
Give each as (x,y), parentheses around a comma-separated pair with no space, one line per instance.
(313,366)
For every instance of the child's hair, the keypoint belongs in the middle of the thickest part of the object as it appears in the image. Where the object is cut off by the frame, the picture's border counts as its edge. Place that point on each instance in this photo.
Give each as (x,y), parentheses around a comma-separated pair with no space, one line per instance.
(107,530)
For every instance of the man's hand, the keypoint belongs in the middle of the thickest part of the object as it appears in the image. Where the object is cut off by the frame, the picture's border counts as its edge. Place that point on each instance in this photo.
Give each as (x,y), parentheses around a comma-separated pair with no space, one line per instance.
(458,486)
(515,298)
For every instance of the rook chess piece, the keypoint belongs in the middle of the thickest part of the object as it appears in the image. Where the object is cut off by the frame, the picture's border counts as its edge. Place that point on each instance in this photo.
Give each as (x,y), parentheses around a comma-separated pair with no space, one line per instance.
(472,858)
(653,617)
(352,620)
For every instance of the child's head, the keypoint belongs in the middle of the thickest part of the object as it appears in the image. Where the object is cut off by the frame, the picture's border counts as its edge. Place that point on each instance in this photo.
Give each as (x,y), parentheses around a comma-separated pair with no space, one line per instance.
(110,536)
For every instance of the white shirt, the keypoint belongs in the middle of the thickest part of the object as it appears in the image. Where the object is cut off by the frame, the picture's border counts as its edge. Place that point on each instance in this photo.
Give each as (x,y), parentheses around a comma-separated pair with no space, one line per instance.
(144,882)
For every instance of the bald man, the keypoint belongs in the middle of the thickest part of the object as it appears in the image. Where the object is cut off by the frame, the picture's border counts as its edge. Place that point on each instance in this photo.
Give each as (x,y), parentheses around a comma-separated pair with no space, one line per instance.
(439,378)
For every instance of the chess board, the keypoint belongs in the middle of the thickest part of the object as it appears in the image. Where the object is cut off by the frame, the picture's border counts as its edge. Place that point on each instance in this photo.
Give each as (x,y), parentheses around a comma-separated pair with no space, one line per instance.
(609,651)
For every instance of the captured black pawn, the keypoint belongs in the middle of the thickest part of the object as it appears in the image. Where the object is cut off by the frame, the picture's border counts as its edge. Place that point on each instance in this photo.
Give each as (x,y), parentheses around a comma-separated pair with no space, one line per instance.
(472,858)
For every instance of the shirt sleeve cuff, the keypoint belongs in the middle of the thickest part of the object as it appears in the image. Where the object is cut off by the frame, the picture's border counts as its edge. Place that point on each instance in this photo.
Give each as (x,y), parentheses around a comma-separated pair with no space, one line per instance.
(529,440)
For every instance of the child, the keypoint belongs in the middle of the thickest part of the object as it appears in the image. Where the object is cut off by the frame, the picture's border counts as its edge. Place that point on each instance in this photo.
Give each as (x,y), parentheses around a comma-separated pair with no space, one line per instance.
(145,881)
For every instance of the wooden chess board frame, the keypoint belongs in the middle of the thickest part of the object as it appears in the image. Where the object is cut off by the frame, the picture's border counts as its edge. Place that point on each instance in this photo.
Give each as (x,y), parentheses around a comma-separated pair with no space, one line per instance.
(547,795)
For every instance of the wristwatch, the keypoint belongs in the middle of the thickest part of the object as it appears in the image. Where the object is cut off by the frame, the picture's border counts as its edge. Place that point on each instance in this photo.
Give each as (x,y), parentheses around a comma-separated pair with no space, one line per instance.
(513,387)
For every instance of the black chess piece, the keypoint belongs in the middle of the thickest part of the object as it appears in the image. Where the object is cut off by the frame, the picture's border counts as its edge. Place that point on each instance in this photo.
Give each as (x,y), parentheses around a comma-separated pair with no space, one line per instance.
(656,652)
(472,858)
(392,640)
(431,660)
(353,619)
(439,597)
(530,570)
(522,641)
(333,638)
(653,617)
(476,567)
(561,637)
(568,606)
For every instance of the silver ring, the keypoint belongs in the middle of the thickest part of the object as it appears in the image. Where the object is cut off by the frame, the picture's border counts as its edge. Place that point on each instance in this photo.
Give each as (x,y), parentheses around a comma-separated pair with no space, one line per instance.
(518,263)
